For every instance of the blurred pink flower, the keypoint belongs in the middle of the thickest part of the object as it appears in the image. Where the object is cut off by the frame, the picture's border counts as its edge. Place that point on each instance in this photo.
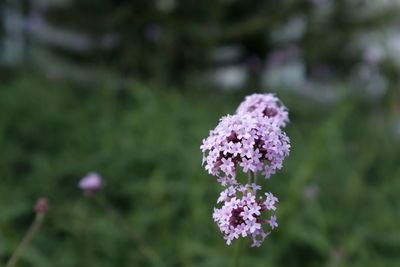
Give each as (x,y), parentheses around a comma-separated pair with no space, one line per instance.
(91,183)
(41,206)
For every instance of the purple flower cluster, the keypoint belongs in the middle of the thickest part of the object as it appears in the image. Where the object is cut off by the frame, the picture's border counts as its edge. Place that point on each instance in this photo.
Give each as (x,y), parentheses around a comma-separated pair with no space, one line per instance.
(265,105)
(253,143)
(242,213)
(253,140)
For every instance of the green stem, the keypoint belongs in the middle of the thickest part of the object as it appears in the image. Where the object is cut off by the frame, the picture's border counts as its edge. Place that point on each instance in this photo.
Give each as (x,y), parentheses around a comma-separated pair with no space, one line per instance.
(145,249)
(252,178)
(27,238)
(235,261)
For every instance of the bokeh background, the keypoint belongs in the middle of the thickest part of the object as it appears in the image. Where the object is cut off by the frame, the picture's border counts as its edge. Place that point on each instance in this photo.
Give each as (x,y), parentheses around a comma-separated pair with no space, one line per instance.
(130,88)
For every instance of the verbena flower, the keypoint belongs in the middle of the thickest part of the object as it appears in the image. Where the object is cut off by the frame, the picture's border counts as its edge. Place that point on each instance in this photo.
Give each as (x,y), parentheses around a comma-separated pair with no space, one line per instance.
(253,143)
(91,183)
(243,214)
(265,105)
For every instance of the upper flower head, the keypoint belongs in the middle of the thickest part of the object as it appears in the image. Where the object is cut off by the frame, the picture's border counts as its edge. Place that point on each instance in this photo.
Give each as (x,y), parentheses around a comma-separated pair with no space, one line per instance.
(91,183)
(242,213)
(265,105)
(254,143)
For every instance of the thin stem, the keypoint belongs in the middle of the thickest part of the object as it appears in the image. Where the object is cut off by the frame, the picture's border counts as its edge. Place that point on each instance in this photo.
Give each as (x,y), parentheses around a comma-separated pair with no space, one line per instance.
(145,249)
(27,238)
(252,178)
(236,256)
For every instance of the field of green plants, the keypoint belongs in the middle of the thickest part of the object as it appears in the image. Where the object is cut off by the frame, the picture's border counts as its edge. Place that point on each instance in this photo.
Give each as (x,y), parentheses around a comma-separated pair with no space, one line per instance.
(338,189)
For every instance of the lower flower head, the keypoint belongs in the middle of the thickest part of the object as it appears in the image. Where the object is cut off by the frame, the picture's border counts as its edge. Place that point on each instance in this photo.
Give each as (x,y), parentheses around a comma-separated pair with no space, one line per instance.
(243,214)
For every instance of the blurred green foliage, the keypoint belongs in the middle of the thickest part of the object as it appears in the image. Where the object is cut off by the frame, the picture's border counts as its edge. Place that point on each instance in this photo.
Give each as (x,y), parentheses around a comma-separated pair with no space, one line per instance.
(339,189)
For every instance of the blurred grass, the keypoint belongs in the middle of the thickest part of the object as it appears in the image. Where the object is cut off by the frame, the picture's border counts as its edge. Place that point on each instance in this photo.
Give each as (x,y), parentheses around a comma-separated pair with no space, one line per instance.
(145,142)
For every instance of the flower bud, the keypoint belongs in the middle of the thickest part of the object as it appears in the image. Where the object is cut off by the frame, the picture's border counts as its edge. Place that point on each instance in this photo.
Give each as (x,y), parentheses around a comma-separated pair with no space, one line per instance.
(41,206)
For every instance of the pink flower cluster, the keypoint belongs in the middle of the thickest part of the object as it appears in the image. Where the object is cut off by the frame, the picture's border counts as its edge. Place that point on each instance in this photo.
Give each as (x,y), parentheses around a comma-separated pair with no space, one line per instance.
(265,105)
(242,213)
(251,142)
